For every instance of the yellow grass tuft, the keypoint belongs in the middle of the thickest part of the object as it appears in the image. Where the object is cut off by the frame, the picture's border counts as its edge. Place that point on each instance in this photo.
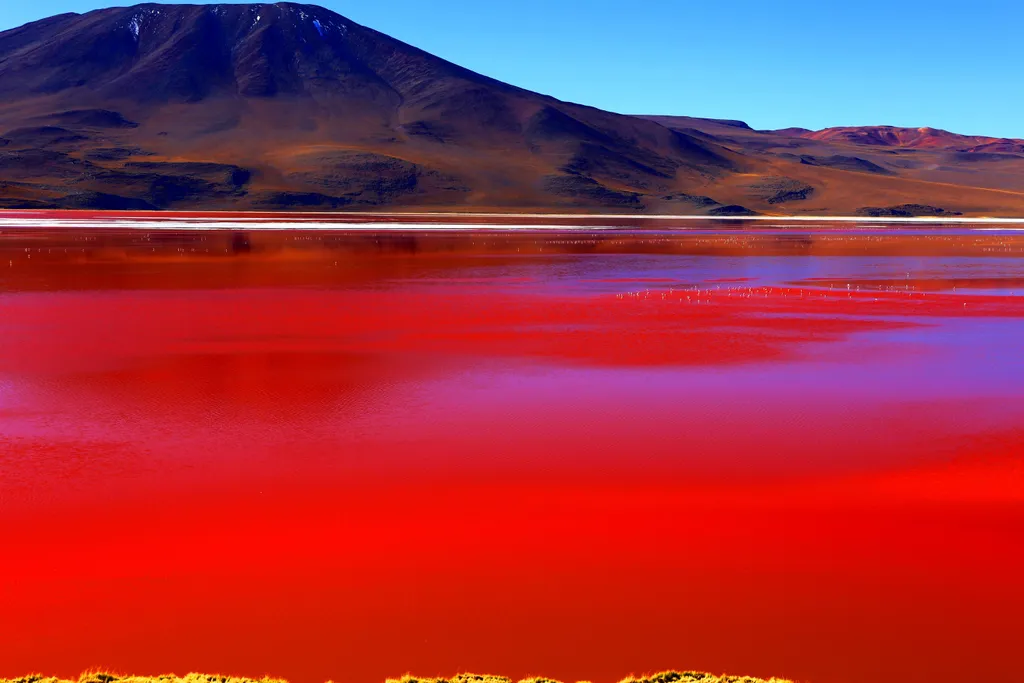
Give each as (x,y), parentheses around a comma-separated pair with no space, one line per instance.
(663,677)
(698,677)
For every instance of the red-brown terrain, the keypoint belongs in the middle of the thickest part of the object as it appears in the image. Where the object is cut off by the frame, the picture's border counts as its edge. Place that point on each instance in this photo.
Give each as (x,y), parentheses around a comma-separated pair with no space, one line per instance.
(288,106)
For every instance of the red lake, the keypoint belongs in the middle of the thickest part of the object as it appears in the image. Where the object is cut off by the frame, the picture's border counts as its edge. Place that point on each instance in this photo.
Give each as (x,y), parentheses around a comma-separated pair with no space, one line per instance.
(790,450)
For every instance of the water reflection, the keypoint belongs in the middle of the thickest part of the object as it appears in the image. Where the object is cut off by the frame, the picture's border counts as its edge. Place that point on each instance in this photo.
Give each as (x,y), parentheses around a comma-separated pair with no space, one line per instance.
(330,455)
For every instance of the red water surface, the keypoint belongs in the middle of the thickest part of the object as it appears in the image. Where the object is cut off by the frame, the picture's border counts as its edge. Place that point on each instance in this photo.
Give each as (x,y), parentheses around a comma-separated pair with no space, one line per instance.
(336,463)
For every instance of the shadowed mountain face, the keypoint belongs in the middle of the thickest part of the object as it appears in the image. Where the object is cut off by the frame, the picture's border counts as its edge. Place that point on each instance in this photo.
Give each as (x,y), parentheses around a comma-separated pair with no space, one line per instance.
(293,106)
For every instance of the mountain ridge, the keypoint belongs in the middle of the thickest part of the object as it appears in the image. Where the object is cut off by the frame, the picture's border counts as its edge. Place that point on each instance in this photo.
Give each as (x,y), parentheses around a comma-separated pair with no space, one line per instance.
(293,106)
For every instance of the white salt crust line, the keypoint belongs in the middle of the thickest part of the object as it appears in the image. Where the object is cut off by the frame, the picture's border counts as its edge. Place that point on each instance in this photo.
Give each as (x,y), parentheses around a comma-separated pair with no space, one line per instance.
(205,224)
(201,222)
(346,215)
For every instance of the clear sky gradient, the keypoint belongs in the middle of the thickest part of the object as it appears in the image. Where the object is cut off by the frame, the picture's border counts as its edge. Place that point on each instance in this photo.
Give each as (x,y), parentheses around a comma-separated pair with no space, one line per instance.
(952,65)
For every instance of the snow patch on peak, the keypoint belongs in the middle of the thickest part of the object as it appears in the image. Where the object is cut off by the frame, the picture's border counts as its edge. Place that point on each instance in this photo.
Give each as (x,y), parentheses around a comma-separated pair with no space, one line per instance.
(134,27)
(328,25)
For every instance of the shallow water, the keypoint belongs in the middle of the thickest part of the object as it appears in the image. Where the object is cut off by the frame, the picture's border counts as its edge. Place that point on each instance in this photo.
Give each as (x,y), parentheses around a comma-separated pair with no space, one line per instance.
(579,454)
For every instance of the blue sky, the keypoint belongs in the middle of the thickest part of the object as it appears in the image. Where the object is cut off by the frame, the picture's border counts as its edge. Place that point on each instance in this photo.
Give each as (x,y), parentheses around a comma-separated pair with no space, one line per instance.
(952,65)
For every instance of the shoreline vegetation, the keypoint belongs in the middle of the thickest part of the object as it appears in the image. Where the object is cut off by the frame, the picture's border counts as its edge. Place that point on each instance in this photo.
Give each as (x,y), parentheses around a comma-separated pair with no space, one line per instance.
(662,677)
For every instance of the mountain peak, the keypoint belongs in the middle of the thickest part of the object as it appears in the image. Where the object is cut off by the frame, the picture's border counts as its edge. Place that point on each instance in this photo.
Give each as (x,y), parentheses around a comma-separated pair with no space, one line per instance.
(300,106)
(180,52)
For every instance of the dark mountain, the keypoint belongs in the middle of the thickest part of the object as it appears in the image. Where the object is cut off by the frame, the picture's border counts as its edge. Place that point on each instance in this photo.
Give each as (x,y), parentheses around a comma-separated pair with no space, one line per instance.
(293,106)
(317,109)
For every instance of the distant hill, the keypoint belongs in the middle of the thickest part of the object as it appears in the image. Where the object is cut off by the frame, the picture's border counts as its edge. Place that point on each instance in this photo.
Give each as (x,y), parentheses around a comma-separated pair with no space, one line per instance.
(914,138)
(291,106)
